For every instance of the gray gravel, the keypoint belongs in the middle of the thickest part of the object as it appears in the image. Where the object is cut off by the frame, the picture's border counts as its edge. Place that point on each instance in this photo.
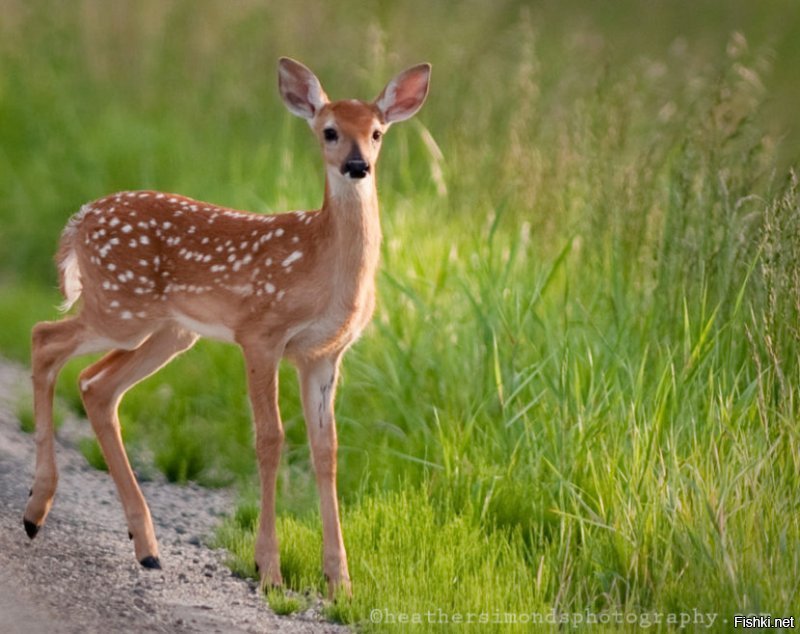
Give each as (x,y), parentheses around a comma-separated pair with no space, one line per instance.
(80,575)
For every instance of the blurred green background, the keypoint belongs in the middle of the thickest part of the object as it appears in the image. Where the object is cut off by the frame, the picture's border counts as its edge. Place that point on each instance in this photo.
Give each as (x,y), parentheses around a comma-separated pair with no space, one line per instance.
(579,391)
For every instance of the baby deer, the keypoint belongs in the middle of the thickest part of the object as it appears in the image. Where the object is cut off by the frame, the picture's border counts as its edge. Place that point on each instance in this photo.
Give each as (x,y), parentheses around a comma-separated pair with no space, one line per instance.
(155,271)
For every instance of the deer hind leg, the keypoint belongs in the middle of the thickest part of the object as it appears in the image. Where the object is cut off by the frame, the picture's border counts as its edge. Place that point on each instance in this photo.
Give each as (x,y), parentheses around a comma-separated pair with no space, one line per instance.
(318,386)
(102,386)
(53,344)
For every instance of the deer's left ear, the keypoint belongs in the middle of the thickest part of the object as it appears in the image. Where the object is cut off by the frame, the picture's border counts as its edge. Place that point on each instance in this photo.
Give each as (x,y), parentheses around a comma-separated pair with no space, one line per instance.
(301,91)
(405,94)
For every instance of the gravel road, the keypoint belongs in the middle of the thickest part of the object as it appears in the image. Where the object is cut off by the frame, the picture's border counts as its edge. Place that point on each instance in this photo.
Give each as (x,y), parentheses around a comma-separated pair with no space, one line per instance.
(79,574)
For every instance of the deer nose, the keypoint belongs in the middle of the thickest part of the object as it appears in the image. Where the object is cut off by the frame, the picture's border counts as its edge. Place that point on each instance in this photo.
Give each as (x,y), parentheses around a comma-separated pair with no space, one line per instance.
(356,168)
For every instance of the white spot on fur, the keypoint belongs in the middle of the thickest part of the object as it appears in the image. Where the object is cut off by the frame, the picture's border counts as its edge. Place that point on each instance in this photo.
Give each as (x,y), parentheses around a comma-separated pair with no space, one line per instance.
(243,289)
(293,257)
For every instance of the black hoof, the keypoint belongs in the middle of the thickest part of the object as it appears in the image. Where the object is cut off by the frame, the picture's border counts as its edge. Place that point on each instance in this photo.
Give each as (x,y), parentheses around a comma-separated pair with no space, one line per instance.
(151,562)
(258,568)
(130,535)
(30,493)
(30,528)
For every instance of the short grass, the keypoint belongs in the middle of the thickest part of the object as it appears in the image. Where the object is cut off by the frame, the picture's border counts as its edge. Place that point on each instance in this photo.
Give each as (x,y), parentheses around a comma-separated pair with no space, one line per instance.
(579,392)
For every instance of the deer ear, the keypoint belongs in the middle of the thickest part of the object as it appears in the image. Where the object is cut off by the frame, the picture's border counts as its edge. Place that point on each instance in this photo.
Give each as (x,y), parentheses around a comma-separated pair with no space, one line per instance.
(405,94)
(300,89)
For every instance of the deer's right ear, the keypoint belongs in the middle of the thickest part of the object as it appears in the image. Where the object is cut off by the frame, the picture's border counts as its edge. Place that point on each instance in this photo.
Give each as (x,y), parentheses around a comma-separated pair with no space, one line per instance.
(300,89)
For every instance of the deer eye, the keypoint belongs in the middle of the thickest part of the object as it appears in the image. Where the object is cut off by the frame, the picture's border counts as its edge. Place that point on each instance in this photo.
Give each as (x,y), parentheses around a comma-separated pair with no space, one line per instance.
(376,136)
(330,135)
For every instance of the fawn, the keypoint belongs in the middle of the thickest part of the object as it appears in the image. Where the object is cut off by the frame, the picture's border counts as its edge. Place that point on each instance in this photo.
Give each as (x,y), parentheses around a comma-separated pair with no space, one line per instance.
(155,271)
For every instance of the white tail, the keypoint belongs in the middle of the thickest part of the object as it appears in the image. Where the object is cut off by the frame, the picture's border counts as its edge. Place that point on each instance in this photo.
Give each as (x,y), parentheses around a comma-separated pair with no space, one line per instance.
(155,270)
(70,276)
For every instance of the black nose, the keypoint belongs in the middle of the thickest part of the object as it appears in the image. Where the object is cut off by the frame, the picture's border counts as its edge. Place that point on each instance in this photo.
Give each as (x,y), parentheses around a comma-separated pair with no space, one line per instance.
(356,168)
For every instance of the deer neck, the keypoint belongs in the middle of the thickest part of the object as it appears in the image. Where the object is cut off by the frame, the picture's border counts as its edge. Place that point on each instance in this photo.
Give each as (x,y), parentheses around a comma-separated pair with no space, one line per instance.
(351,212)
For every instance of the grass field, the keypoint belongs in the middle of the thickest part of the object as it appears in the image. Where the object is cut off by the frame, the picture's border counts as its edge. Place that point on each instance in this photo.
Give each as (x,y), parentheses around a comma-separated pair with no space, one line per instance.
(579,394)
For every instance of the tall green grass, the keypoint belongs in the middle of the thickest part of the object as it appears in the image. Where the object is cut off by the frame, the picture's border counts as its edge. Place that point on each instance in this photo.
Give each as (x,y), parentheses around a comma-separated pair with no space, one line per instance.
(579,391)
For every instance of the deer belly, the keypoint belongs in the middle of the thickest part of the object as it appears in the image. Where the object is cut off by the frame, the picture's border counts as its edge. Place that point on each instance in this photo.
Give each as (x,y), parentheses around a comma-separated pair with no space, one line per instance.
(216,331)
(330,333)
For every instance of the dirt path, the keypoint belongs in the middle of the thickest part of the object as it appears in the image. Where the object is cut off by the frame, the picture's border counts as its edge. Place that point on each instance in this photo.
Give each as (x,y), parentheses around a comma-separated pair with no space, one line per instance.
(79,574)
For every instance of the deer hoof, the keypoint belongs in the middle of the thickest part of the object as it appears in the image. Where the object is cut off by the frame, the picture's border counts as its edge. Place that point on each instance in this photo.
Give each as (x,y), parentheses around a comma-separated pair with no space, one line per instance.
(30,528)
(151,562)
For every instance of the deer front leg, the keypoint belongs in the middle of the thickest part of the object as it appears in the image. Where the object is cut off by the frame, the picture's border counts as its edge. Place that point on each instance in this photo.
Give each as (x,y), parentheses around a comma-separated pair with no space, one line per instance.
(318,383)
(262,379)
